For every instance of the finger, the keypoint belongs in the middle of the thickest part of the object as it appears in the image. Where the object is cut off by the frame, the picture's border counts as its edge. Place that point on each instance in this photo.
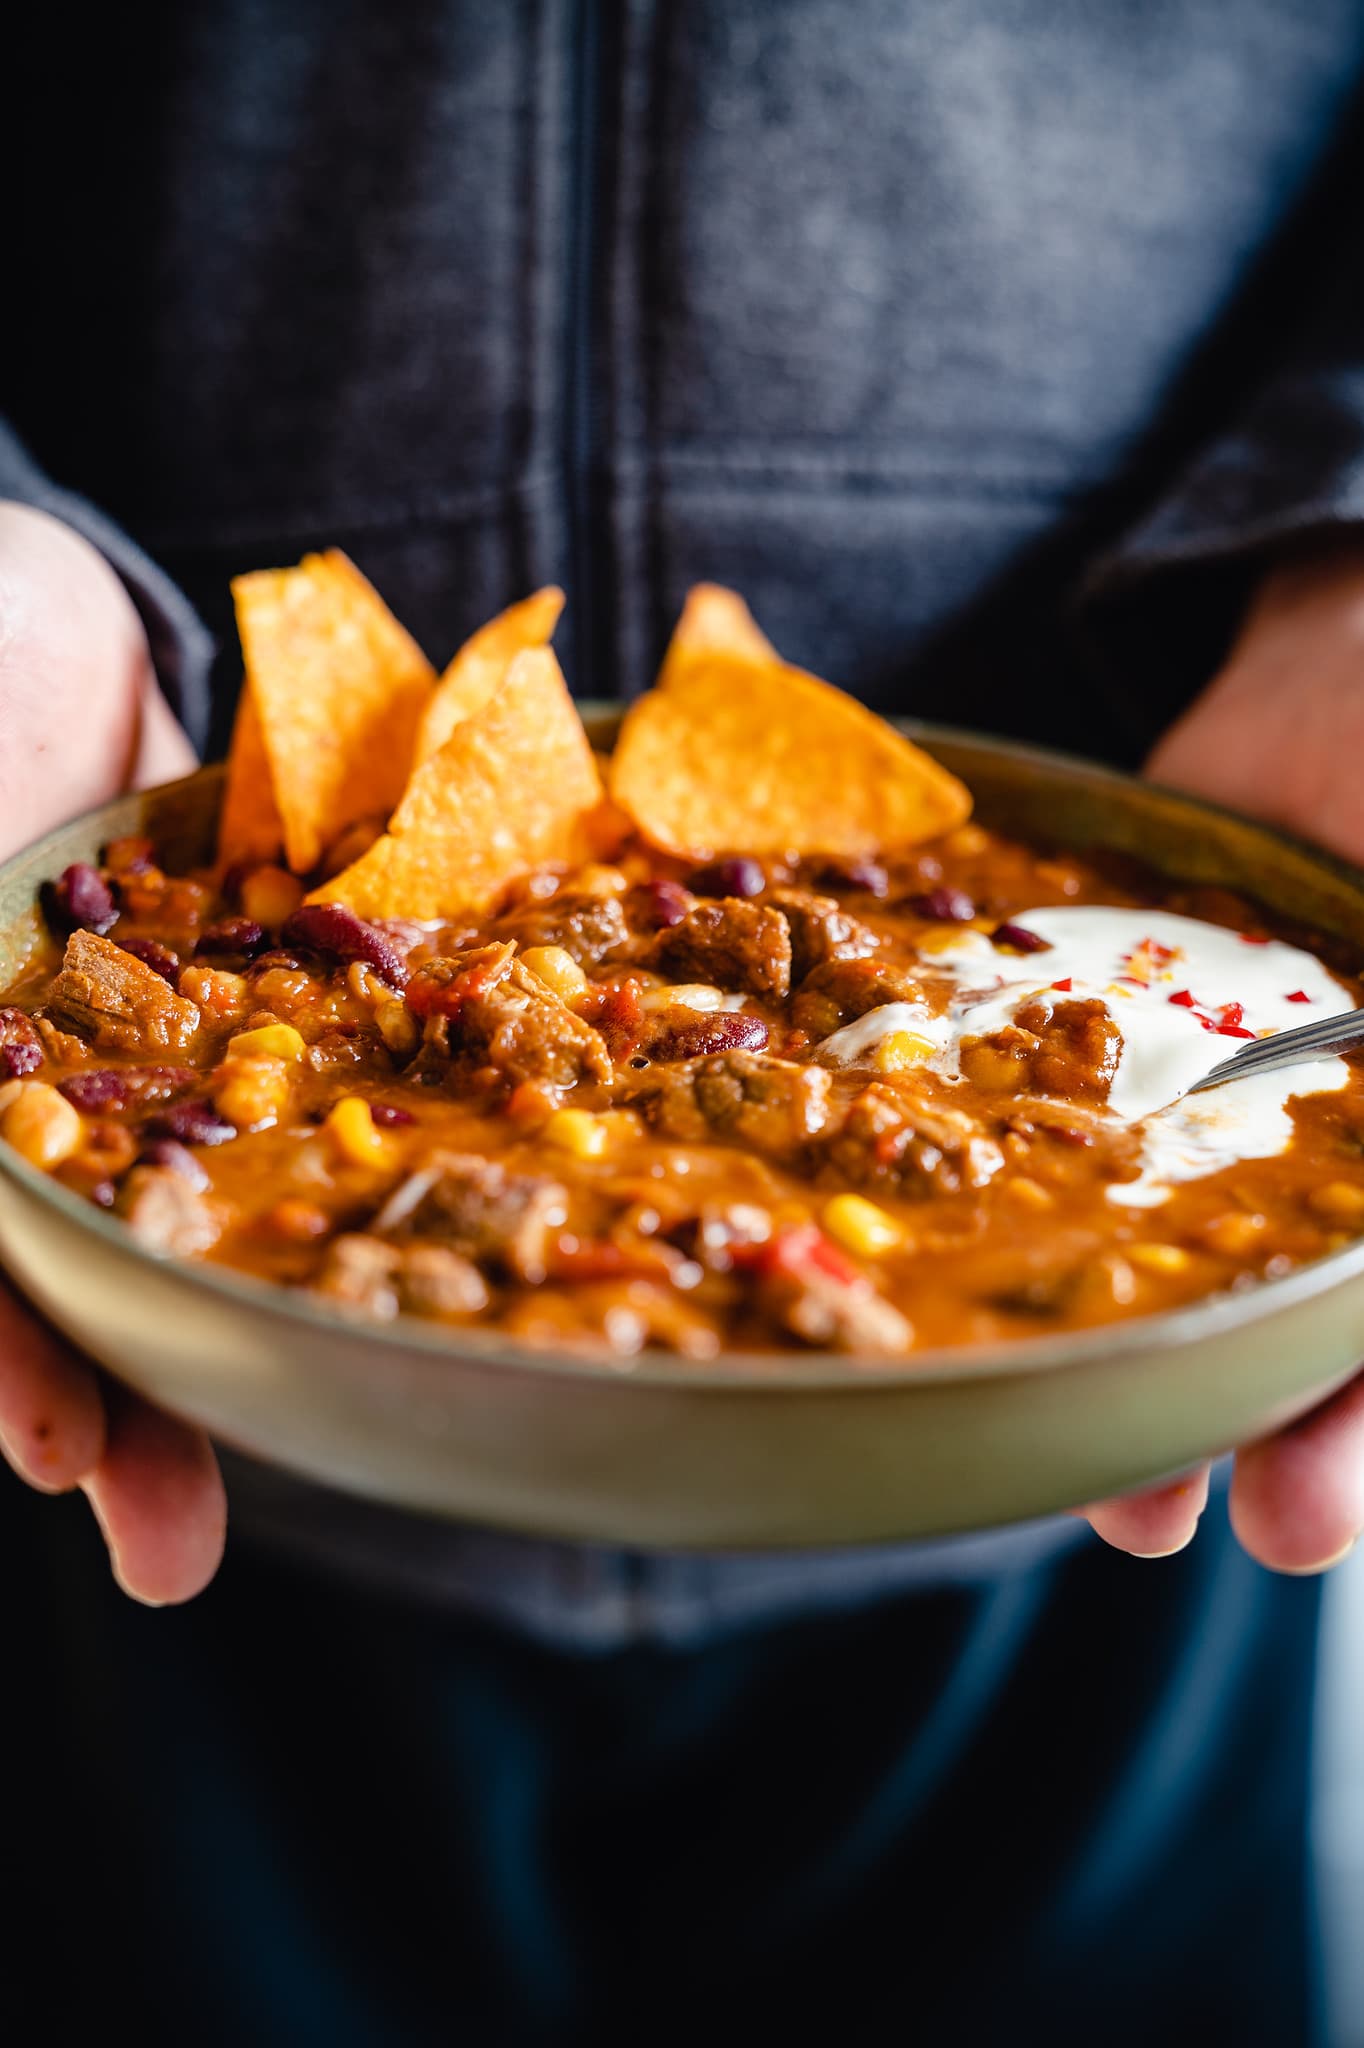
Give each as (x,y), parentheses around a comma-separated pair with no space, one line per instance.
(1154,1523)
(158,1498)
(1297,1499)
(163,751)
(51,1408)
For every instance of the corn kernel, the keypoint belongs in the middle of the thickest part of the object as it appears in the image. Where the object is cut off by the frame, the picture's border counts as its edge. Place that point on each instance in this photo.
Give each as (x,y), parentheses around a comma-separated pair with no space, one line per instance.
(273,1041)
(1235,1235)
(42,1126)
(860,1226)
(252,1092)
(1026,1193)
(902,1049)
(558,970)
(579,1132)
(355,1134)
(1337,1201)
(938,939)
(269,895)
(1160,1258)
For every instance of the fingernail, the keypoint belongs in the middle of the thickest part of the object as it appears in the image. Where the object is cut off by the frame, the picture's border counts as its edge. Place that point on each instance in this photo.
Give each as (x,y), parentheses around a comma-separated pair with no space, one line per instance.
(1312,1571)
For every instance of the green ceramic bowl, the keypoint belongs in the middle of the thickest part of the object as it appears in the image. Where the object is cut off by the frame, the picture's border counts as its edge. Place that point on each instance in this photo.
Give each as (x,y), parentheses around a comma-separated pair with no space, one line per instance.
(744,1451)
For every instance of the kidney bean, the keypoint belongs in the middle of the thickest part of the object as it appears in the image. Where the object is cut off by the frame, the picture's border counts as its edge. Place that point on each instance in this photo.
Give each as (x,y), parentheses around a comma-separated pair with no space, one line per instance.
(1020,938)
(868,875)
(333,929)
(191,1123)
(388,1113)
(115,1087)
(738,876)
(21,1049)
(946,906)
(708,1031)
(80,900)
(167,1152)
(660,904)
(230,888)
(159,958)
(236,939)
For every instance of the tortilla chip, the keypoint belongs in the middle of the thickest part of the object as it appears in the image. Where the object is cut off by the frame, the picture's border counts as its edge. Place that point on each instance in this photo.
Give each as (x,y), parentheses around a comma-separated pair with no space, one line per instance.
(514,788)
(714,621)
(250,827)
(483,661)
(740,756)
(339,688)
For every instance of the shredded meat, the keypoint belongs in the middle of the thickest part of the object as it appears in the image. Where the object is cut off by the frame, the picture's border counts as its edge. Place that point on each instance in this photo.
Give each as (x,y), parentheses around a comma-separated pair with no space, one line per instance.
(821,931)
(166,1212)
(589,927)
(485,1008)
(116,1002)
(736,945)
(899,1141)
(842,990)
(747,1098)
(479,1209)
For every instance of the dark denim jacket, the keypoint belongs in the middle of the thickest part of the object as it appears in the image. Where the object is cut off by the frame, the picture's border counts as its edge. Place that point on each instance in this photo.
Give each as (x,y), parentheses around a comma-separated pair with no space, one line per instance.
(918,324)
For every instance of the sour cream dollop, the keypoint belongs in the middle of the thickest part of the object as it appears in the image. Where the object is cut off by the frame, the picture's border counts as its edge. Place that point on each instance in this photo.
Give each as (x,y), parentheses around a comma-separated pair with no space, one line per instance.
(1184,995)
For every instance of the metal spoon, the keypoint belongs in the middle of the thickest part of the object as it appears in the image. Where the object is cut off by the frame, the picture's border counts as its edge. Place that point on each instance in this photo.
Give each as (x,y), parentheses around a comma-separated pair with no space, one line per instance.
(1287,1049)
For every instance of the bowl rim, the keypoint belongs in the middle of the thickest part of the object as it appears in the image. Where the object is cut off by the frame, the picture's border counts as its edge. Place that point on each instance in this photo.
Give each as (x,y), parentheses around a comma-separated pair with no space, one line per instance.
(770,1374)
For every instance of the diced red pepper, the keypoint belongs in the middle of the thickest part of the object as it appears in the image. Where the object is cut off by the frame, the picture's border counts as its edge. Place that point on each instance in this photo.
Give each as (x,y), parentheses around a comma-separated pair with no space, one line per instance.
(1249,939)
(1234,1031)
(1299,995)
(1063,987)
(801,1246)
(1230,1015)
(1184,999)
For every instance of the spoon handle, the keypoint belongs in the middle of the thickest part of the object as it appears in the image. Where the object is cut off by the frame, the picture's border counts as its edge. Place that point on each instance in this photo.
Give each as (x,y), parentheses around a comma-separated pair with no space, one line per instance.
(1288,1049)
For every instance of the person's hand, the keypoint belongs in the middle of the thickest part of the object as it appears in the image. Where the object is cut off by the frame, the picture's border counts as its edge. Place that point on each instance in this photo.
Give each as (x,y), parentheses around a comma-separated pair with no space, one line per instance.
(1278,733)
(81,719)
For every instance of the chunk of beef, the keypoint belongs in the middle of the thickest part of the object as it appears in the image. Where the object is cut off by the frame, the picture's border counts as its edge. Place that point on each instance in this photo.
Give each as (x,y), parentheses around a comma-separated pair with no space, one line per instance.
(383,1280)
(360,1273)
(116,1002)
(1068,1048)
(591,928)
(897,1140)
(480,1209)
(821,931)
(841,990)
(166,1212)
(748,1098)
(805,1283)
(487,1009)
(736,945)
(435,1281)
